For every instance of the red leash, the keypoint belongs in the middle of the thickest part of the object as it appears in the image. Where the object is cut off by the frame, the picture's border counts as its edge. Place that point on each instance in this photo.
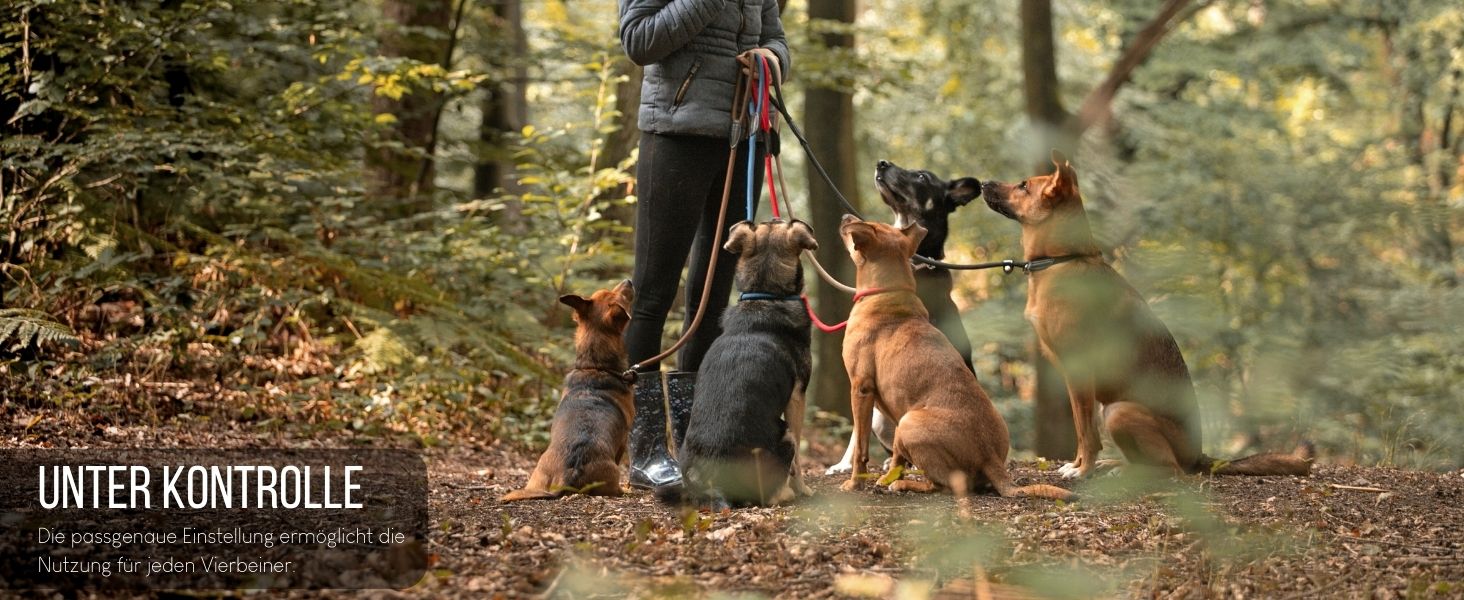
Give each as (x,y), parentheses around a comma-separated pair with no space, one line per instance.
(765,124)
(835,328)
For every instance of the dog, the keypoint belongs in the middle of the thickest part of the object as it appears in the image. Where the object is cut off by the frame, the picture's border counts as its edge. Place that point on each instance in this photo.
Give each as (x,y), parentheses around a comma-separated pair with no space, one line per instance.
(923,198)
(1111,349)
(739,450)
(589,434)
(901,364)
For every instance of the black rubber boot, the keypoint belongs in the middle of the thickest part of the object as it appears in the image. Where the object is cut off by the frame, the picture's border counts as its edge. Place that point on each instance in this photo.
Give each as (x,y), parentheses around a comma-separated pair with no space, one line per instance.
(662,409)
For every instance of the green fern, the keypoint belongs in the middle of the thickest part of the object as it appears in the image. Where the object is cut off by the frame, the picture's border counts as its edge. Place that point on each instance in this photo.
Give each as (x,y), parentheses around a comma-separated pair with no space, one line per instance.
(26,327)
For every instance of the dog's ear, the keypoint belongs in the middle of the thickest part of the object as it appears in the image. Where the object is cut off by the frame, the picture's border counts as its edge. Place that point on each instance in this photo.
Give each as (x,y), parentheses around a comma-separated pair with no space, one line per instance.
(626,291)
(1064,178)
(961,192)
(739,237)
(914,234)
(858,234)
(578,303)
(802,234)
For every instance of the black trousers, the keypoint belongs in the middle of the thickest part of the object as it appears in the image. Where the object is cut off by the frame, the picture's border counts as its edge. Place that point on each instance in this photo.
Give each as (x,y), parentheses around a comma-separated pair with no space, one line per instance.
(679,189)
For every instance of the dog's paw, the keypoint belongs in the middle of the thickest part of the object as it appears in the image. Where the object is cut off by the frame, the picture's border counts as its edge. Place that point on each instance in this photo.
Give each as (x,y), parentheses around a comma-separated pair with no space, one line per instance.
(910,485)
(839,469)
(802,488)
(852,485)
(1072,471)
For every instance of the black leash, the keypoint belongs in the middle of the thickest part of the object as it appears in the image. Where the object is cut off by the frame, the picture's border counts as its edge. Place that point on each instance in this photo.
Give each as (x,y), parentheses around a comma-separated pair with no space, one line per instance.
(1007,266)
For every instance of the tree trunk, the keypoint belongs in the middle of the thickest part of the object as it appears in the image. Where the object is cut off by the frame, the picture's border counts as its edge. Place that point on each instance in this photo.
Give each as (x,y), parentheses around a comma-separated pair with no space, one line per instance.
(505,108)
(620,143)
(396,175)
(1052,428)
(1039,65)
(828,120)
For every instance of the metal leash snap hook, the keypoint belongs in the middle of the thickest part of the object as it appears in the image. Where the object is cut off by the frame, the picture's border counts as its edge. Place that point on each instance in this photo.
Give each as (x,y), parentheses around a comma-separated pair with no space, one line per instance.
(1006,266)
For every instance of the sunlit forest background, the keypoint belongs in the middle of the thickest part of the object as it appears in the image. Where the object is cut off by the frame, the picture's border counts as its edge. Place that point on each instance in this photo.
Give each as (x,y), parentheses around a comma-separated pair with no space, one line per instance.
(357,215)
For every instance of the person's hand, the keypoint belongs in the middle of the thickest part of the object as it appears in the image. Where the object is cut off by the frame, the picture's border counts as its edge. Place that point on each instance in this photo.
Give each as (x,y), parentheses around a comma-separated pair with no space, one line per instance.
(750,66)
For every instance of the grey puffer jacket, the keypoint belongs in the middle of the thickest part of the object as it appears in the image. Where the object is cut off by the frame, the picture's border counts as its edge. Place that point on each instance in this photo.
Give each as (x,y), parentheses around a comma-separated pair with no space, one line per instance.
(689,49)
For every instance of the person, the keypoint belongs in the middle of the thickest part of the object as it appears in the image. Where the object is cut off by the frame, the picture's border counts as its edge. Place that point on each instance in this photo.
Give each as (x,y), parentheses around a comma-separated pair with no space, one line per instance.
(692,51)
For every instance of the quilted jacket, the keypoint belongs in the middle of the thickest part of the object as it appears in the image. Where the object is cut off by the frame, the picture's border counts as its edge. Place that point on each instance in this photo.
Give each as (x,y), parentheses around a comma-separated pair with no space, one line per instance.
(689,50)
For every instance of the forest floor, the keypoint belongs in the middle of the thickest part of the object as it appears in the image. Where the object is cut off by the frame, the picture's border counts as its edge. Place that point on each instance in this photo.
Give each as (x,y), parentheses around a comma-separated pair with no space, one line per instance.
(1342,532)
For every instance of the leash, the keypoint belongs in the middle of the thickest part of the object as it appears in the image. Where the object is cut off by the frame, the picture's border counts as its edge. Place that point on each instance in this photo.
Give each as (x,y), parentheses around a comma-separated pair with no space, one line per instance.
(1006,266)
(738,116)
(769,81)
(837,327)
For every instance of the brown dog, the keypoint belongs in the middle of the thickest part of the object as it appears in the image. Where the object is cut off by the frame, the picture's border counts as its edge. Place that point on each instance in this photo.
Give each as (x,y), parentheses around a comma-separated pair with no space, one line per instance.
(901,364)
(587,439)
(1111,349)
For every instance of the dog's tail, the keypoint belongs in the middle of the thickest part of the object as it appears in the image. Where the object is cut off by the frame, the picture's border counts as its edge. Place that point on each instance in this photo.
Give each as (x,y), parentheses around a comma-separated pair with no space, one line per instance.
(1298,462)
(529,494)
(1002,481)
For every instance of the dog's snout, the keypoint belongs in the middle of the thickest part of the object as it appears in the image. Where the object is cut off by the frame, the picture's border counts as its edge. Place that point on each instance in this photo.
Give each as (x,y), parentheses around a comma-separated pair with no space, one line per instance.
(883,164)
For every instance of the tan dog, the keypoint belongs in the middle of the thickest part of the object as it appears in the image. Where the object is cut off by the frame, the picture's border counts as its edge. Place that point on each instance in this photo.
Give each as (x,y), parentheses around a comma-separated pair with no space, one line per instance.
(1109,346)
(587,439)
(901,364)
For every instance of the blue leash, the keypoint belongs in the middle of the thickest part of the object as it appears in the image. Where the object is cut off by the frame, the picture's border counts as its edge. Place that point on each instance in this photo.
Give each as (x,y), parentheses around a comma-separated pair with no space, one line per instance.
(754,110)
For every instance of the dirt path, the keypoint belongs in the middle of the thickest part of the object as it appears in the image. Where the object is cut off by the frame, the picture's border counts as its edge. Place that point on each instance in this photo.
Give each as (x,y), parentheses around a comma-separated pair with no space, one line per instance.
(1232,537)
(1344,532)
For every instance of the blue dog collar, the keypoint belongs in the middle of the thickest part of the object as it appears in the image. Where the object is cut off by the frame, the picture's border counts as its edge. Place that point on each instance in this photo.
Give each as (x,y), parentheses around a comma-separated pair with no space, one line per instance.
(745,296)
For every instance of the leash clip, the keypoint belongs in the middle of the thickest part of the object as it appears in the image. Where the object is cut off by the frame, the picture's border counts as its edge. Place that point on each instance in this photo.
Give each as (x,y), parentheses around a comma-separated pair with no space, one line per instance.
(1008,265)
(1038,265)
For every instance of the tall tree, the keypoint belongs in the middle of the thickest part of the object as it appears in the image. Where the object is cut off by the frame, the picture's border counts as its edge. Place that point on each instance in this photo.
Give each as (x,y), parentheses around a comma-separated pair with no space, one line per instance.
(828,117)
(396,173)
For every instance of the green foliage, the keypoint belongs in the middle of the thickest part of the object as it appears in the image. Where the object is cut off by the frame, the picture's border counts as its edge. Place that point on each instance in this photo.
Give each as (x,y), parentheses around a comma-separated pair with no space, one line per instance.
(204,161)
(26,328)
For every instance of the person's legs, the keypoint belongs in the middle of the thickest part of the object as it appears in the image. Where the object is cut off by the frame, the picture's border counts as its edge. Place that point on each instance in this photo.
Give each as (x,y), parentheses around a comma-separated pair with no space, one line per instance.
(673,175)
(690,357)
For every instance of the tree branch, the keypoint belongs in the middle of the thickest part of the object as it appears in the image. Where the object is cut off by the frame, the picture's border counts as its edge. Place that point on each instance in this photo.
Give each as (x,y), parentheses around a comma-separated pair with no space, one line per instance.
(1097,108)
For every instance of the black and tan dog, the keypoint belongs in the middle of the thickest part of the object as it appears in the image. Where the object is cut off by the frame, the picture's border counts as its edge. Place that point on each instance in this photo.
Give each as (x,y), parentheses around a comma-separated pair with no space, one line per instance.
(923,198)
(739,450)
(901,364)
(587,438)
(1111,349)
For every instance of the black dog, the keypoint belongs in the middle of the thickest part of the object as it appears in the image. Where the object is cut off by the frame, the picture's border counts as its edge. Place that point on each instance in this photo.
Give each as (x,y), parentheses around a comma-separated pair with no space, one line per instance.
(919,197)
(922,198)
(738,449)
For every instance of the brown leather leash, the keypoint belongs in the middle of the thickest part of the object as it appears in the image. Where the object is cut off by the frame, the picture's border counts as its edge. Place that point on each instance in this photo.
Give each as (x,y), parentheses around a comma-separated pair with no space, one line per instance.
(739,115)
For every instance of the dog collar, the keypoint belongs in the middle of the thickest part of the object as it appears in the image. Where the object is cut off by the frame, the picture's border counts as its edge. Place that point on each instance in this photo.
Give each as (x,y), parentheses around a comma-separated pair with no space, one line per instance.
(1033,266)
(628,376)
(745,296)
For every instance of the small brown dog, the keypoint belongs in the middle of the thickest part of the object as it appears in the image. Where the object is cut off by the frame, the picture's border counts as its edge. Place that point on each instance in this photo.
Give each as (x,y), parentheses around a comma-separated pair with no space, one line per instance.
(1109,346)
(587,439)
(900,363)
